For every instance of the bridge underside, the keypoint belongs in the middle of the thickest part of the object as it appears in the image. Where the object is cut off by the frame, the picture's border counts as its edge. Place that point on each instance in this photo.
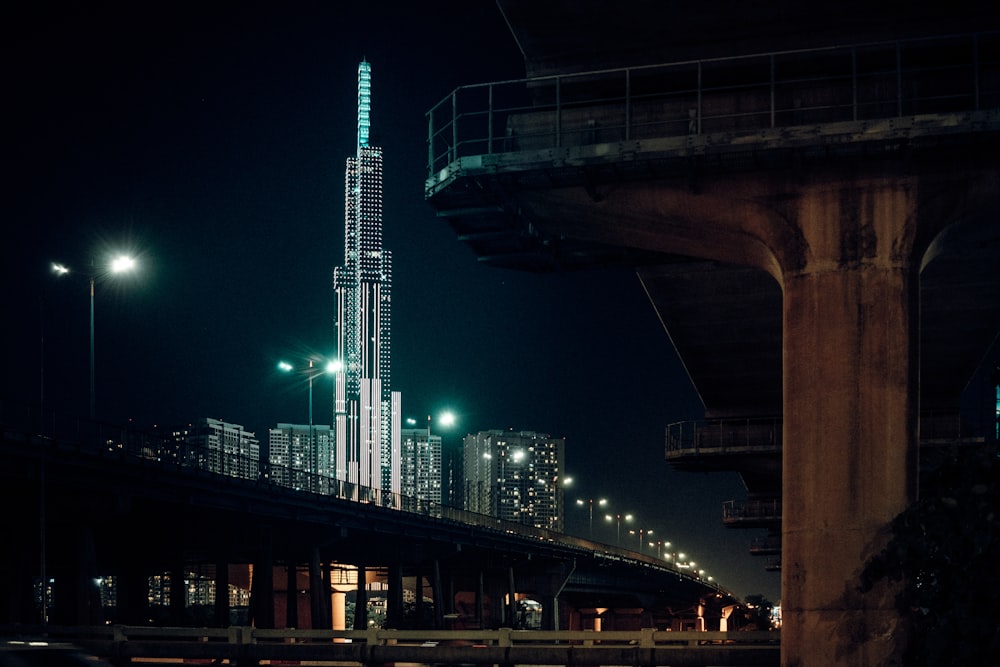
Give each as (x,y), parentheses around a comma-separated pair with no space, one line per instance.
(819,231)
(724,318)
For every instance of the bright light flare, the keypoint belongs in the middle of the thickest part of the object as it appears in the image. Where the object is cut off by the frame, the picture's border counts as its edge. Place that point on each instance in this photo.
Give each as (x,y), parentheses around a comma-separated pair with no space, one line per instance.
(122,263)
(284,366)
(334,366)
(447,419)
(59,269)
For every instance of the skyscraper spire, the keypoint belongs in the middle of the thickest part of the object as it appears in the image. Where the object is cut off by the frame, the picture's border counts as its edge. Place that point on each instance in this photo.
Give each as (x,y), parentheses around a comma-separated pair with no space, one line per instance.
(364,102)
(366,410)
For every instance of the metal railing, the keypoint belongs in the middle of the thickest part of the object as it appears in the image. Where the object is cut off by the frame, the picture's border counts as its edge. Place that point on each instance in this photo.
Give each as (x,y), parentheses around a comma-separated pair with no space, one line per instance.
(52,433)
(250,646)
(764,434)
(130,443)
(752,511)
(857,82)
(723,436)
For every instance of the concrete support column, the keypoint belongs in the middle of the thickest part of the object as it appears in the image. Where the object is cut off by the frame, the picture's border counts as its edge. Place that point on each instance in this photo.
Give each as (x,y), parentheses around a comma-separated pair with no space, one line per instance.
(437,591)
(361,601)
(850,422)
(394,601)
(291,594)
(262,591)
(338,602)
(221,608)
(178,592)
(510,609)
(319,590)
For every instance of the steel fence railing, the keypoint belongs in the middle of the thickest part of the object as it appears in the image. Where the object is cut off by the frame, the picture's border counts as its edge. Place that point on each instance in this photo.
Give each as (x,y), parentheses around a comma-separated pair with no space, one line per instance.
(945,74)
(720,436)
(53,433)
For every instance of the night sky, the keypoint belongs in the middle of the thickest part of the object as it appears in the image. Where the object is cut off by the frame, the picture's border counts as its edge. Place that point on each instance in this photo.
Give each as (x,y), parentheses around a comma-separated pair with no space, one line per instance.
(210,139)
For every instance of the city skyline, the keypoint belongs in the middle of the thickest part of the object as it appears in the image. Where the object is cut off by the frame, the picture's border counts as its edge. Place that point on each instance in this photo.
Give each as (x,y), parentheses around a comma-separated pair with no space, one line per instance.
(211,145)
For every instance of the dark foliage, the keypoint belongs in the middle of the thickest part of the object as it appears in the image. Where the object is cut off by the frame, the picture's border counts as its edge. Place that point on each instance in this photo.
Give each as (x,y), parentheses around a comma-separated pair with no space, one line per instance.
(945,549)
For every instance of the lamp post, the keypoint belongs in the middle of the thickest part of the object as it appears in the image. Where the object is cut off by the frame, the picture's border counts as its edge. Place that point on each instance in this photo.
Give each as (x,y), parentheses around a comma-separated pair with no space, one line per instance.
(446,418)
(330,367)
(120,264)
(641,532)
(659,544)
(590,503)
(618,518)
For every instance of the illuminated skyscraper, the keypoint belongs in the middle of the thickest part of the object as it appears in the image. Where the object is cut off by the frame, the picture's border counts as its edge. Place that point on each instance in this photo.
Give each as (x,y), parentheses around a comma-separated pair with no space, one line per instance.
(366,410)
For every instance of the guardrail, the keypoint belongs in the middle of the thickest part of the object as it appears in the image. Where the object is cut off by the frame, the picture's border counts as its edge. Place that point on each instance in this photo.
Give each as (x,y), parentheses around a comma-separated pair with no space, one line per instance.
(721,436)
(855,82)
(50,435)
(751,512)
(240,645)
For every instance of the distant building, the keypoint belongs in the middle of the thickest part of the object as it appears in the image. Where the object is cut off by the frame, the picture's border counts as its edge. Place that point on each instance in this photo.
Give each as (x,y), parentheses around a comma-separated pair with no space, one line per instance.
(301,455)
(219,447)
(515,476)
(421,470)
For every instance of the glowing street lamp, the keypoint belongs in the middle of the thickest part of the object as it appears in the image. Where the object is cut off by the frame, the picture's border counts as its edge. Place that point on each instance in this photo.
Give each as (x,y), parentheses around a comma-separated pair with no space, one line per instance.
(640,533)
(446,419)
(330,367)
(590,505)
(659,544)
(118,264)
(618,518)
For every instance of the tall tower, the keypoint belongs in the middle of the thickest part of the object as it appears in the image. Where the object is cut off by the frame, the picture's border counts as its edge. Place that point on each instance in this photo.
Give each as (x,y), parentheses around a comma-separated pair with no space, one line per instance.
(366,410)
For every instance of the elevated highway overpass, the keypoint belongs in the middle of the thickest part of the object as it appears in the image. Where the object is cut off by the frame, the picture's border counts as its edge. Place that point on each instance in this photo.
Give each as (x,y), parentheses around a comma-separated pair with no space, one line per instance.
(810,199)
(86,501)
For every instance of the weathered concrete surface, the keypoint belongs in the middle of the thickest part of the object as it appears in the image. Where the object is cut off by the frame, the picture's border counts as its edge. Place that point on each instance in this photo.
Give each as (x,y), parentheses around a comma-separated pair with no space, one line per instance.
(846,245)
(850,417)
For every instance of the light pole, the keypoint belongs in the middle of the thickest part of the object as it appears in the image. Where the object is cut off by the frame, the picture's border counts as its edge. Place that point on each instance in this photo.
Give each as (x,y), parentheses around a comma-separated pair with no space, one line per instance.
(330,367)
(120,264)
(659,544)
(590,503)
(446,419)
(641,531)
(618,518)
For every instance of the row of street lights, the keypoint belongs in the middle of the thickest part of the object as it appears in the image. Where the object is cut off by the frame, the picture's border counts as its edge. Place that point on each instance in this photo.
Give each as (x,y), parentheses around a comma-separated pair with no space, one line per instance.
(662,547)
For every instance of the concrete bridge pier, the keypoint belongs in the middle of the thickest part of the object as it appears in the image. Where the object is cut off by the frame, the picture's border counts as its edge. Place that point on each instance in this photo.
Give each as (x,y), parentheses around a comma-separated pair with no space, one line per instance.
(846,241)
(850,343)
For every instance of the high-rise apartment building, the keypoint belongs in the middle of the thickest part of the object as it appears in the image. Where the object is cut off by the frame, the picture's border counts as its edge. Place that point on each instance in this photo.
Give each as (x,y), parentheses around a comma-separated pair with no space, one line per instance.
(219,447)
(294,450)
(421,470)
(366,410)
(516,476)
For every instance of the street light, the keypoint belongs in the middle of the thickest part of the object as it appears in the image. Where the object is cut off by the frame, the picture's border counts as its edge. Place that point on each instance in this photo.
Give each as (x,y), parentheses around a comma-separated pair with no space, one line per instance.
(618,518)
(659,544)
(590,503)
(640,532)
(119,264)
(446,419)
(330,367)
